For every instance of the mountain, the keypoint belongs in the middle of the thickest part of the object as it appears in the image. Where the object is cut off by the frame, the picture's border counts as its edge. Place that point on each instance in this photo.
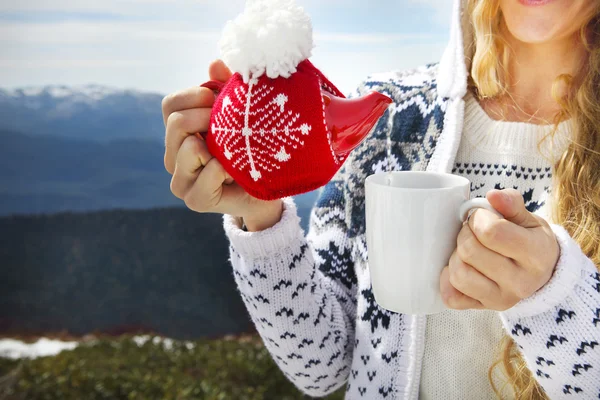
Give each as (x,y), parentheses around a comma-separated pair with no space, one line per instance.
(85,148)
(72,152)
(43,174)
(89,112)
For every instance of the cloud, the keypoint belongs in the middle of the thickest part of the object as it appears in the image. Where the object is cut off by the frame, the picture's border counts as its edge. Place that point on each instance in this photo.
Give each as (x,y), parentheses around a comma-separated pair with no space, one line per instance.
(366,38)
(136,8)
(65,64)
(103,32)
(64,32)
(164,45)
(88,5)
(442,9)
(106,32)
(348,68)
(125,5)
(210,36)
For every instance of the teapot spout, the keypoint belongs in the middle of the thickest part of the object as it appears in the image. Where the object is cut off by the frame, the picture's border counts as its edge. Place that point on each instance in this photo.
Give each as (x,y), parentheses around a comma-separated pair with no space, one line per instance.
(350,120)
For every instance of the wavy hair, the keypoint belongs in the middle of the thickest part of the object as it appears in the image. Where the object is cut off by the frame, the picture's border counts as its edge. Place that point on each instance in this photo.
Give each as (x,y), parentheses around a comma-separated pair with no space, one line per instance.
(576,181)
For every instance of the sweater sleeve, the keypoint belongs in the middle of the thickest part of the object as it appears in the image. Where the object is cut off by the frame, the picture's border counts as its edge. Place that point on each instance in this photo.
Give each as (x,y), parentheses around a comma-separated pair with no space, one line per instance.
(558,328)
(299,291)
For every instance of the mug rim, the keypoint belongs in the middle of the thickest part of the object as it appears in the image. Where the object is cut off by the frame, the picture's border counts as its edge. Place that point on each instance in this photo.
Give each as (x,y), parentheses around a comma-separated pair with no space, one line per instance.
(370,180)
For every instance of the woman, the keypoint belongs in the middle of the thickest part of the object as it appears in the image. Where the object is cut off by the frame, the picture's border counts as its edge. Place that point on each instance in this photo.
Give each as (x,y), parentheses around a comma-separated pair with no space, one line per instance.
(514,106)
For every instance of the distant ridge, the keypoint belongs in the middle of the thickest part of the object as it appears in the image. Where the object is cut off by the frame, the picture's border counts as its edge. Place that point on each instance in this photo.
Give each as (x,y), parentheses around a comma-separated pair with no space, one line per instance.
(85,148)
(89,112)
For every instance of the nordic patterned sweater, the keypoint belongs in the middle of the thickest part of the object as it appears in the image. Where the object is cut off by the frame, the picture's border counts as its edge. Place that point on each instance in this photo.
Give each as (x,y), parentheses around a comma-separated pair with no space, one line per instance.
(311,300)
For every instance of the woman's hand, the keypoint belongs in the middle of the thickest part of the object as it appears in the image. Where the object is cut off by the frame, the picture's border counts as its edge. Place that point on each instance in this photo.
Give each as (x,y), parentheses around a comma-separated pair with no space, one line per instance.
(499,262)
(198,178)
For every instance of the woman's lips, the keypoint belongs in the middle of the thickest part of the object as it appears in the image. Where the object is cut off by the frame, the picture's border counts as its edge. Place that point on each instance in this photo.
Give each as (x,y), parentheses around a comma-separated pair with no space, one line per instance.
(535,2)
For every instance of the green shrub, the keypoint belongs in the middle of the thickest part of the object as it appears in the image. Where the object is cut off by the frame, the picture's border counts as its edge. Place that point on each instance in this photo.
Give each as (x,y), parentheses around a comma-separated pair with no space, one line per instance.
(120,369)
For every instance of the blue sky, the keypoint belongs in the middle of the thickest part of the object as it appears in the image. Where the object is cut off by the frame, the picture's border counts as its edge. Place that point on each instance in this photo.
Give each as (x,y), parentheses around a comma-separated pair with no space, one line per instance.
(165,45)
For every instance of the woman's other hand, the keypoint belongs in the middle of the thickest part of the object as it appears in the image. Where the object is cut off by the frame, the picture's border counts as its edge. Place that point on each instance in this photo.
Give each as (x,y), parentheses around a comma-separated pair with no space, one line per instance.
(499,262)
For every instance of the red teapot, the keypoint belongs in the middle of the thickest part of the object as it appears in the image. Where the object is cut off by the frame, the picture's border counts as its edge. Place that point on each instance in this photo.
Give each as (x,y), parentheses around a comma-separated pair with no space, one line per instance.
(279,127)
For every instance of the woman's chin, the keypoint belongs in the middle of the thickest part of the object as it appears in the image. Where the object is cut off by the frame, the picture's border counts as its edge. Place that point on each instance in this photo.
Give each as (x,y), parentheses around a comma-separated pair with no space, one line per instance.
(533,35)
(544,21)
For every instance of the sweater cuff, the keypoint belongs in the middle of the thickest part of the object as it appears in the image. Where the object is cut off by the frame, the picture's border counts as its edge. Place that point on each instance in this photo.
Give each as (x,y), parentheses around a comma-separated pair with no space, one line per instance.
(269,242)
(567,274)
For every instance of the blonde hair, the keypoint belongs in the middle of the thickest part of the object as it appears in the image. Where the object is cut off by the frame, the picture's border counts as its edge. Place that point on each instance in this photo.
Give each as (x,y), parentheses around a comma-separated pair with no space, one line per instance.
(576,185)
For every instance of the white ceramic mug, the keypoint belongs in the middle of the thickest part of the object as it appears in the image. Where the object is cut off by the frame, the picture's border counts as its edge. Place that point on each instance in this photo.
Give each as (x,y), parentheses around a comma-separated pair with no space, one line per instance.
(412,222)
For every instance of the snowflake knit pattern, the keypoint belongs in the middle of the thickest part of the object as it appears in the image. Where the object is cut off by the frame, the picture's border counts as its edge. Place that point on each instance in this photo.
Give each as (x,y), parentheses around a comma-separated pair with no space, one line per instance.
(270,131)
(311,300)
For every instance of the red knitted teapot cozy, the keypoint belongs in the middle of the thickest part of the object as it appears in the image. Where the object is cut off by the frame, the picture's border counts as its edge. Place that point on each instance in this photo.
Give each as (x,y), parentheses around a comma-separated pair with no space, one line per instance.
(279,127)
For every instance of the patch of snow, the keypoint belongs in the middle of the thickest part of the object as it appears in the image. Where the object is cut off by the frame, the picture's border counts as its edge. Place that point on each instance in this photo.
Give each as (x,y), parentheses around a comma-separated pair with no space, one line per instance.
(168,344)
(96,92)
(14,349)
(7,93)
(93,92)
(59,91)
(141,340)
(51,96)
(31,91)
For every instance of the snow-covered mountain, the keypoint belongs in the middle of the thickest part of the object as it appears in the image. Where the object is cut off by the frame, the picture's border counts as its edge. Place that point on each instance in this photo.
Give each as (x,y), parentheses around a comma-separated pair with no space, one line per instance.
(83,92)
(85,148)
(89,112)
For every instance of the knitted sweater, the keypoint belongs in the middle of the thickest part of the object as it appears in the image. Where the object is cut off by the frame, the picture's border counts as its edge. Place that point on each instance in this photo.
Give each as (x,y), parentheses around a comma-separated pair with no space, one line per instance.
(311,297)
(461,345)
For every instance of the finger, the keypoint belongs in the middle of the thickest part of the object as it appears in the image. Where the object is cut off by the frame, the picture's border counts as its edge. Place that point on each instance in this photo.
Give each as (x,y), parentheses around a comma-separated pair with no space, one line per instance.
(182,124)
(500,235)
(194,97)
(471,282)
(210,194)
(496,267)
(510,203)
(218,71)
(453,298)
(192,156)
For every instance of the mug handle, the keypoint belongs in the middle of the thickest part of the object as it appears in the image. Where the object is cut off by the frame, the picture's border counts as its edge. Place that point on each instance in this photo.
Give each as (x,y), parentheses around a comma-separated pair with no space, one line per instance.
(478,202)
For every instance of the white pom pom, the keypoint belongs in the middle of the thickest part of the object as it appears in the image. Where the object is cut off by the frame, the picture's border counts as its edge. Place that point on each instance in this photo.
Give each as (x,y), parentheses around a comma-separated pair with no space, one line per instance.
(270,36)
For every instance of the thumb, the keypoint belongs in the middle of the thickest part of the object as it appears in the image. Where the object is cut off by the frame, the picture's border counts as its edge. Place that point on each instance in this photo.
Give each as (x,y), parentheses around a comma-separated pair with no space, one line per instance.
(218,71)
(510,203)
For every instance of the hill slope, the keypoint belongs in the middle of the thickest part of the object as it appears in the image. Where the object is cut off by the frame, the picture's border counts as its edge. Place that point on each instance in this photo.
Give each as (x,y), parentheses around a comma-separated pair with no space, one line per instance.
(166,270)
(51,174)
